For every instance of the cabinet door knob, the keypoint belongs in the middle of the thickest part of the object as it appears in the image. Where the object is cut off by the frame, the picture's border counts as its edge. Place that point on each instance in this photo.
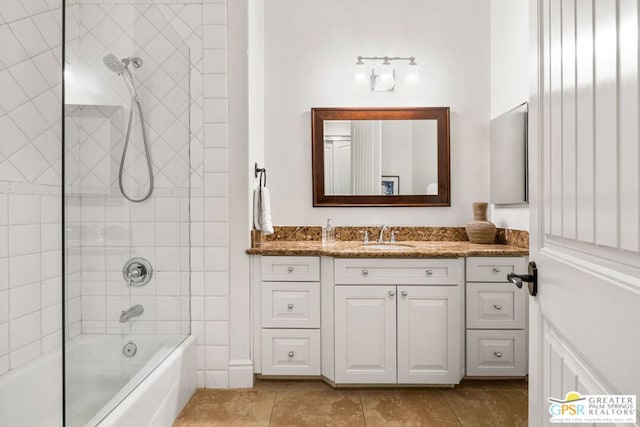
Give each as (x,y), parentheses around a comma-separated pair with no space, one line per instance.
(290,269)
(496,269)
(291,354)
(404,293)
(365,272)
(497,354)
(290,306)
(392,293)
(429,271)
(497,307)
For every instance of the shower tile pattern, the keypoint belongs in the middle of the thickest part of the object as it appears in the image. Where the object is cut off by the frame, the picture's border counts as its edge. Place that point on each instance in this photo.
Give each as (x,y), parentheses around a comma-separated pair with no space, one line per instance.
(30,181)
(102,226)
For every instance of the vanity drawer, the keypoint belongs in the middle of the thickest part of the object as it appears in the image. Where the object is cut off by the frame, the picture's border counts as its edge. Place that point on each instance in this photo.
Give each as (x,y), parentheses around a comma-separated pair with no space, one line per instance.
(496,353)
(291,352)
(290,305)
(495,306)
(369,271)
(494,269)
(290,268)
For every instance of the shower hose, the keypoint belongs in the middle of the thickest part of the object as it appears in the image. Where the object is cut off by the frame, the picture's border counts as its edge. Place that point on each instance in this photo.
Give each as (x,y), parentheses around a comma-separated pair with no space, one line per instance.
(135,102)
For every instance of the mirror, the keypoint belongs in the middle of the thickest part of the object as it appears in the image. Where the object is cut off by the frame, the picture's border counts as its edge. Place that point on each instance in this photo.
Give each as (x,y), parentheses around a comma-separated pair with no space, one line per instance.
(508,155)
(380,156)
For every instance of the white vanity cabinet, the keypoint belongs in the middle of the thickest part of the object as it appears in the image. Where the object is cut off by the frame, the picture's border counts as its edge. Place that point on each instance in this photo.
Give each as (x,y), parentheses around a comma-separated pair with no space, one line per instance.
(496,318)
(288,298)
(398,321)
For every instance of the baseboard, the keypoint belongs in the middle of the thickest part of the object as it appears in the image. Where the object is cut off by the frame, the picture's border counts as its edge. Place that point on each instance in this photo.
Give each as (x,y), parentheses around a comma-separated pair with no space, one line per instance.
(241,373)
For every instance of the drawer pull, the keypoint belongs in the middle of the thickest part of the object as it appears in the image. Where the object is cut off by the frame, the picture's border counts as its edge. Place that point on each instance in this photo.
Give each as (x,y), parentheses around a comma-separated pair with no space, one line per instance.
(290,306)
(429,271)
(497,354)
(497,307)
(404,293)
(392,293)
(290,269)
(496,270)
(291,354)
(365,272)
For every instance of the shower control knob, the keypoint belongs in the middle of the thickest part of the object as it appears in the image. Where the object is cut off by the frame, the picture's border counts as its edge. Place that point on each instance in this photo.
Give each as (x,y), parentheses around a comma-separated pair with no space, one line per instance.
(290,354)
(137,272)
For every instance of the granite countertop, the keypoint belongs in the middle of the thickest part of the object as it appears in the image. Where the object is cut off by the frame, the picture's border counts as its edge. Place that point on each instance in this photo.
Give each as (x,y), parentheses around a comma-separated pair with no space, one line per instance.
(415,249)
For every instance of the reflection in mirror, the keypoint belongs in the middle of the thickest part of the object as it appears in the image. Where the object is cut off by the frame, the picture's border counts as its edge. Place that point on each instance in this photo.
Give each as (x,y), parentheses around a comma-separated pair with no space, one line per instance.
(508,157)
(381,157)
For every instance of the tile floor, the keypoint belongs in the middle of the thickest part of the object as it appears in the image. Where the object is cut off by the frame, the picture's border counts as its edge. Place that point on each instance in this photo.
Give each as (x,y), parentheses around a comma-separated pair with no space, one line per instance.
(313,403)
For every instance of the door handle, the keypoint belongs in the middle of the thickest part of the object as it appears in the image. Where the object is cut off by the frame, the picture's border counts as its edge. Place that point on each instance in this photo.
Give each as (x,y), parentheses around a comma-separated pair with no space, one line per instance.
(531,279)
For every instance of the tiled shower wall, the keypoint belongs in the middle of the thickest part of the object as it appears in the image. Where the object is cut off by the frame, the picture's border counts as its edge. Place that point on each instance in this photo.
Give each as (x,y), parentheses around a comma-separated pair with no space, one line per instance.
(95,270)
(30,180)
(104,230)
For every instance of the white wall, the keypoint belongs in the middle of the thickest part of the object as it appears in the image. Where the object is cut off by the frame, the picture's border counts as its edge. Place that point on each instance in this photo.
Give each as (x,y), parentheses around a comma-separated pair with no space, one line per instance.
(509,81)
(310,51)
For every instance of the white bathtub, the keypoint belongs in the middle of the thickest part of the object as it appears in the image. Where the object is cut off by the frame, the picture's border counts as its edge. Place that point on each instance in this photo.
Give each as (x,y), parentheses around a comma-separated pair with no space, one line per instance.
(103,387)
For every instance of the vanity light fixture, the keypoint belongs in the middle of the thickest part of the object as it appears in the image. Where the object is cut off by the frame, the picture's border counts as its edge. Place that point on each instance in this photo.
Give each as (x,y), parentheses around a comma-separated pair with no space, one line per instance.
(382,77)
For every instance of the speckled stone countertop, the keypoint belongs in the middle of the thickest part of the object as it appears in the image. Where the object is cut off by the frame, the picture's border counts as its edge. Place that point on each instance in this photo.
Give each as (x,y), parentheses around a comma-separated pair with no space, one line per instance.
(415,242)
(350,249)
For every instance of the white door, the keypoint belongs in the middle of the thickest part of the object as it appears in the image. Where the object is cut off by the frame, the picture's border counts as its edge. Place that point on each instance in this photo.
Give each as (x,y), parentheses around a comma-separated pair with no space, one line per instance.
(365,334)
(429,335)
(585,200)
(342,166)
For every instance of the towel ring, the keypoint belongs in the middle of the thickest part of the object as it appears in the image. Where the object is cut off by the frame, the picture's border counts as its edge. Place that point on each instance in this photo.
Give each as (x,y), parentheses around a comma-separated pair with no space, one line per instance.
(262,172)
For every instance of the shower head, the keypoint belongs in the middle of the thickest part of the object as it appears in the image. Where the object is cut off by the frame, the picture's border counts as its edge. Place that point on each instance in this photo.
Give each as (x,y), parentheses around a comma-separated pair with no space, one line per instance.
(114,64)
(121,68)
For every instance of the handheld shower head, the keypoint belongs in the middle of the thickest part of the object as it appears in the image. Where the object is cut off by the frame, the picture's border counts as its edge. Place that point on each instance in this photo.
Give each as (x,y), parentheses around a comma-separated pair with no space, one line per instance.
(114,64)
(121,68)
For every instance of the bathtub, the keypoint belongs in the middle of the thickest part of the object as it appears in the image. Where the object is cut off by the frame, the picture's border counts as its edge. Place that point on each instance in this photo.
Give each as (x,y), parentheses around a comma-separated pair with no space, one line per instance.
(103,387)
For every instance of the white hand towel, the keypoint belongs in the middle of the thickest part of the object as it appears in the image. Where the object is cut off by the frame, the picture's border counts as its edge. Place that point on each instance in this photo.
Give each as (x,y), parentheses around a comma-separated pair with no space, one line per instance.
(262,210)
(265,211)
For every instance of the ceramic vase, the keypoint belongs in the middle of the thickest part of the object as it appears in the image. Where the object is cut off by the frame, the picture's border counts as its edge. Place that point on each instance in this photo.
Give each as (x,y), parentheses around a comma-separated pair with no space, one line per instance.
(480,230)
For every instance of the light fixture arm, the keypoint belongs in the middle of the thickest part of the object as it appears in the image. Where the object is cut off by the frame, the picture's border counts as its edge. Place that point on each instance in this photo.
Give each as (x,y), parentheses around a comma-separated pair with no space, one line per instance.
(386,59)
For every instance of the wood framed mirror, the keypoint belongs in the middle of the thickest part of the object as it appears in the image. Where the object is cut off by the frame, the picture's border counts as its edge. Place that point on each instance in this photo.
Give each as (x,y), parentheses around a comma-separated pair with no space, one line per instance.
(380,156)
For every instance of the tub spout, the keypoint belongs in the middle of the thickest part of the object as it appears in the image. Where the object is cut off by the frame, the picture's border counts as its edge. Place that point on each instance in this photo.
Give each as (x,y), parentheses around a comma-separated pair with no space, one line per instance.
(134,311)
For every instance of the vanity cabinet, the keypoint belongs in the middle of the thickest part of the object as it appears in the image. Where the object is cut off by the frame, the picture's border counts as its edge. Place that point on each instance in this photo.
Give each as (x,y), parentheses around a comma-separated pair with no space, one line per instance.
(496,318)
(388,320)
(398,329)
(289,301)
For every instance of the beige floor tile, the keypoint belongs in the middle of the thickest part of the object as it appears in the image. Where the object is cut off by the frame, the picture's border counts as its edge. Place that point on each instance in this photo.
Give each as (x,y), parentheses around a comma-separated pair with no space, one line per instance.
(317,408)
(495,408)
(406,408)
(227,408)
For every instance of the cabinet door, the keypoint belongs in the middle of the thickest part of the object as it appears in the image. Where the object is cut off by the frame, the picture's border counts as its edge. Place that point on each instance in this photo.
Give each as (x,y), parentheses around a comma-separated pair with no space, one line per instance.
(365,334)
(429,335)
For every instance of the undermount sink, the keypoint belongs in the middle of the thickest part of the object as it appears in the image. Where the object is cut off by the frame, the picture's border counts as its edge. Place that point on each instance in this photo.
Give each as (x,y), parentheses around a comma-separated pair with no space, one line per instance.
(386,246)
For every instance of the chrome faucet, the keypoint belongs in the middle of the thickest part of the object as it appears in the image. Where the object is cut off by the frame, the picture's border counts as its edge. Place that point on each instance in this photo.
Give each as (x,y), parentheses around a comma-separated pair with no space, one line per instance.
(134,311)
(381,236)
